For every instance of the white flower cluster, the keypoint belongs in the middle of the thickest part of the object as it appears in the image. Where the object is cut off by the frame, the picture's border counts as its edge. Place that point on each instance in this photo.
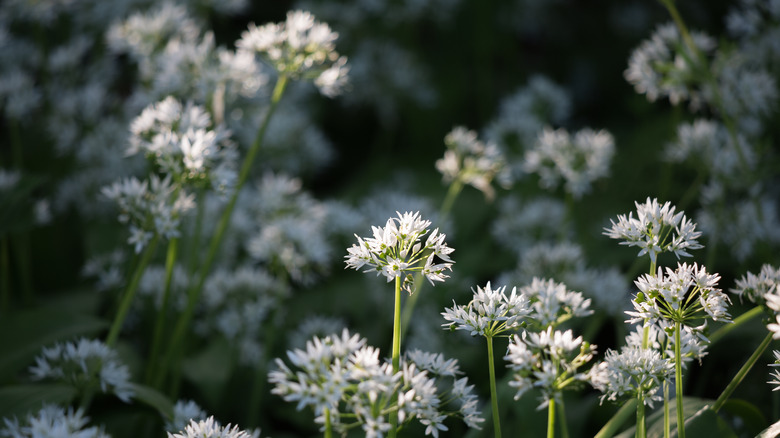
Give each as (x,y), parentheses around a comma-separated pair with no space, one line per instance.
(238,304)
(633,372)
(577,160)
(680,295)
(52,421)
(397,250)
(490,312)
(663,66)
(757,288)
(470,161)
(775,374)
(209,428)
(553,303)
(548,361)
(300,47)
(184,412)
(342,377)
(693,345)
(182,141)
(85,363)
(523,223)
(656,229)
(708,143)
(152,207)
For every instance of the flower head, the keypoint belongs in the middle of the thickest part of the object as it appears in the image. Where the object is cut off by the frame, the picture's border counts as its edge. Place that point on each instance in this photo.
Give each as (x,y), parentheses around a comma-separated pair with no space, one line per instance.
(656,229)
(397,249)
(632,372)
(300,47)
(52,421)
(552,302)
(489,313)
(209,428)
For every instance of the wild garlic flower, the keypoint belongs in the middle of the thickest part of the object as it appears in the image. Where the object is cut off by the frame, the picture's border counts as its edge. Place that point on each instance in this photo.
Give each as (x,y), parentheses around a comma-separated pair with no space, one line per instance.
(576,160)
(553,303)
(183,413)
(152,207)
(52,421)
(681,295)
(490,312)
(182,141)
(664,66)
(548,361)
(470,161)
(85,364)
(656,229)
(523,223)
(756,287)
(693,344)
(633,372)
(209,428)
(397,250)
(344,377)
(775,374)
(300,48)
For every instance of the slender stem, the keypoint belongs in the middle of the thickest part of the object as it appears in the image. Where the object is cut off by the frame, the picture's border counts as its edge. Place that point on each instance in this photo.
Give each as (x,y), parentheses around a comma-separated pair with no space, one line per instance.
(493,392)
(614,424)
(742,373)
(667,420)
(328,426)
(162,314)
(194,243)
(641,429)
(551,419)
(396,349)
(562,419)
(678,381)
(127,298)
(740,320)
(193,294)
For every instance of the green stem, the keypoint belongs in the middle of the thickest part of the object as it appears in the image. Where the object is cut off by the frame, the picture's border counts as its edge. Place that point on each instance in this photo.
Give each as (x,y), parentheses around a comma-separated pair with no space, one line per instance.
(193,294)
(562,419)
(667,418)
(678,383)
(740,320)
(194,253)
(162,314)
(641,429)
(493,392)
(396,349)
(328,426)
(551,419)
(614,424)
(742,373)
(127,298)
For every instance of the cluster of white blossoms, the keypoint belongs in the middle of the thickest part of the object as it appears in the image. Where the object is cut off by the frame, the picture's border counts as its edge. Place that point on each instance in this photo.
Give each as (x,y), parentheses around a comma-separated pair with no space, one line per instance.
(490,312)
(301,48)
(656,229)
(184,412)
(775,374)
(633,372)
(344,378)
(548,361)
(470,161)
(397,250)
(552,303)
(209,428)
(524,223)
(84,363)
(662,66)
(680,295)
(763,289)
(150,208)
(182,141)
(577,159)
(52,421)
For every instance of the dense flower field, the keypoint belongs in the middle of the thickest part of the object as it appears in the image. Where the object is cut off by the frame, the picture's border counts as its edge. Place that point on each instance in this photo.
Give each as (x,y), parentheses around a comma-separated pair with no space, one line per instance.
(389,218)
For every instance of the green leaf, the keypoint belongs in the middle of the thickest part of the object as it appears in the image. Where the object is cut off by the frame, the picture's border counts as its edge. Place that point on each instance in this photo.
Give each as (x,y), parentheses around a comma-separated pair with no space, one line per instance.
(23,334)
(770,432)
(153,398)
(18,400)
(707,423)
(752,417)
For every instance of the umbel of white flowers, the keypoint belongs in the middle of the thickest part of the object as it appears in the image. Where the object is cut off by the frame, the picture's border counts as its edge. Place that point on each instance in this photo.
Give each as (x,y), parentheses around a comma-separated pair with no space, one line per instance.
(397,250)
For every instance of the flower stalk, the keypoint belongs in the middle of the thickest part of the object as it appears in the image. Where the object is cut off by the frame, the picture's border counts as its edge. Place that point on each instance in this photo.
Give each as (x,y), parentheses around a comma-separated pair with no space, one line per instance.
(724,396)
(493,392)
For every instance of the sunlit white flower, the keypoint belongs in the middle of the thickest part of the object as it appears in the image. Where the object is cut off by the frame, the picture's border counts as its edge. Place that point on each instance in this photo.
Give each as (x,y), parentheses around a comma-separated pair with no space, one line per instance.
(397,249)
(775,374)
(657,228)
(632,372)
(552,302)
(209,428)
(489,313)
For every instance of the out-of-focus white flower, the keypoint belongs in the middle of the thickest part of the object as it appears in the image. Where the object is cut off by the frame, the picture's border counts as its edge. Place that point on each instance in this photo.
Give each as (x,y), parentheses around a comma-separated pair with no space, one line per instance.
(577,160)
(553,303)
(470,161)
(83,364)
(52,422)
